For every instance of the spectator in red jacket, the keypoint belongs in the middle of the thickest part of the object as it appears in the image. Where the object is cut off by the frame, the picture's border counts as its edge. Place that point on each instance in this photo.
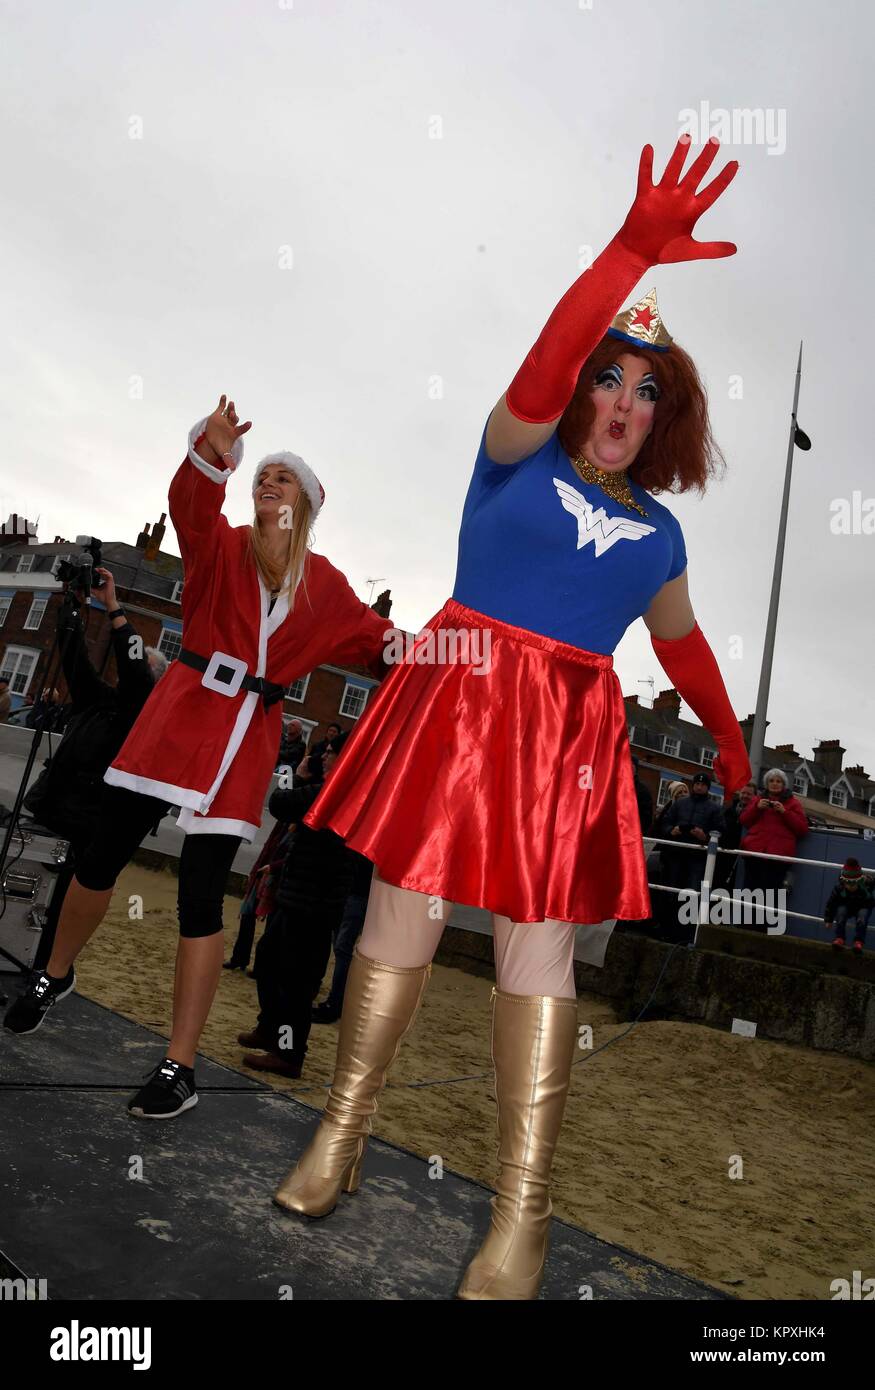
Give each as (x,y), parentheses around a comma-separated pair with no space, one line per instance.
(774,822)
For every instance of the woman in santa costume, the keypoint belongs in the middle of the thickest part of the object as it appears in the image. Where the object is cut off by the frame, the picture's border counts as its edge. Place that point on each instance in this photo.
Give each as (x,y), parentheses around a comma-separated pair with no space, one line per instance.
(493,766)
(259,610)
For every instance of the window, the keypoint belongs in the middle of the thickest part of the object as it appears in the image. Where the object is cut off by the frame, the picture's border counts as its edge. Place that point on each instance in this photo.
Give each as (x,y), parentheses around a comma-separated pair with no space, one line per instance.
(671,746)
(37,612)
(6,598)
(298,689)
(353,700)
(17,667)
(800,784)
(708,756)
(838,796)
(170,642)
(25,564)
(662,794)
(632,733)
(176,596)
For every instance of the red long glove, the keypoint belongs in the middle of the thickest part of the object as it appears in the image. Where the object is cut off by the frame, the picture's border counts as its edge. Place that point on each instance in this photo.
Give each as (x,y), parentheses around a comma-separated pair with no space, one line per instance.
(692,669)
(657,230)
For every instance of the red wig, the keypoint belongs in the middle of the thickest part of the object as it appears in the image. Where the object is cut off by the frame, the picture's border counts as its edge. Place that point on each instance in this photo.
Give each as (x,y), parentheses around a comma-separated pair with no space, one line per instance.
(679,454)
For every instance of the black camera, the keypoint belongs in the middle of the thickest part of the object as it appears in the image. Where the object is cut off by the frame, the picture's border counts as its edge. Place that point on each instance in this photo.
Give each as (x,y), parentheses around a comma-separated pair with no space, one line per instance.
(78,574)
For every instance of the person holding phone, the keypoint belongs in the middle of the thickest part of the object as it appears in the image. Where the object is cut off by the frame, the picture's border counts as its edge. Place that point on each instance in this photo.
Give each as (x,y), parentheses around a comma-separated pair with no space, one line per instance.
(774,823)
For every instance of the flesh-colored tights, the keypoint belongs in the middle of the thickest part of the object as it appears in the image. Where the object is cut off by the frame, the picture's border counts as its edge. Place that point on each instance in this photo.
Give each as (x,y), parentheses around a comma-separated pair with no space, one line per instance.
(403,928)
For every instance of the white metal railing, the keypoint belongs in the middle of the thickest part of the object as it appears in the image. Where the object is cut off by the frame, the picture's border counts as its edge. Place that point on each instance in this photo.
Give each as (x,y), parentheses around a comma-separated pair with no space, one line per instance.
(713,849)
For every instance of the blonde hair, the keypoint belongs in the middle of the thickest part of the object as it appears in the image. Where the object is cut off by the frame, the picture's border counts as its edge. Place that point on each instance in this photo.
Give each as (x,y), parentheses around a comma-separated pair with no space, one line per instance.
(286,573)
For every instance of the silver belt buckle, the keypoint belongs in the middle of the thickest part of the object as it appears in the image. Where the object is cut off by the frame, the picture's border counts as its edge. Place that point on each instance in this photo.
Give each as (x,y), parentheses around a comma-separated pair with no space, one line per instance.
(222,661)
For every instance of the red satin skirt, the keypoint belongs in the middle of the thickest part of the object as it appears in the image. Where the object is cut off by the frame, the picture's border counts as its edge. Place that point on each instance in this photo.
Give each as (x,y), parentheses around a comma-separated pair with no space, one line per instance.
(492,768)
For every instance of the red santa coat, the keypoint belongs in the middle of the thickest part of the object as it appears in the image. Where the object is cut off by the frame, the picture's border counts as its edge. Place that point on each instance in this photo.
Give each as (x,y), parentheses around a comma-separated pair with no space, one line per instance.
(210,753)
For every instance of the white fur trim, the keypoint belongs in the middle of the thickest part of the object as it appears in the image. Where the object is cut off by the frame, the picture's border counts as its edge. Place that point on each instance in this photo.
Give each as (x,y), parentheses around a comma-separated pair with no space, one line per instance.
(165,791)
(304,474)
(217,825)
(218,475)
(187,798)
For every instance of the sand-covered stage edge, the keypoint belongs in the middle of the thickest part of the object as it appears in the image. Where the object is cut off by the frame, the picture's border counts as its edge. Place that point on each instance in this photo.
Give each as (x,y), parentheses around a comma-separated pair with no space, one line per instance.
(652,1127)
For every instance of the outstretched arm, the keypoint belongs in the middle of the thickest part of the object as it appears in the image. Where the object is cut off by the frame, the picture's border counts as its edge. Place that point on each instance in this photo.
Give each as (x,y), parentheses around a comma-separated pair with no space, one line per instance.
(85,686)
(657,230)
(689,663)
(197,492)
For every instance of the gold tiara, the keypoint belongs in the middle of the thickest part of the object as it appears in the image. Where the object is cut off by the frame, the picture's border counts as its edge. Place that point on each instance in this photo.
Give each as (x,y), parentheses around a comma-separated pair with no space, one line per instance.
(642,325)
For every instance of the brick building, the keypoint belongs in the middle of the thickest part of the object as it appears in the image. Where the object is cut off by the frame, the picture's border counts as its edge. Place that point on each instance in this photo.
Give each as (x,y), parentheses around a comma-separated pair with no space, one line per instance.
(673,749)
(149,587)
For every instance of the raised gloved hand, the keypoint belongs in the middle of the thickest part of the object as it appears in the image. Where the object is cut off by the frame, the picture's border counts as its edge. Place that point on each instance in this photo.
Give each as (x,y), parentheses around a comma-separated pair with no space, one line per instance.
(659,224)
(657,229)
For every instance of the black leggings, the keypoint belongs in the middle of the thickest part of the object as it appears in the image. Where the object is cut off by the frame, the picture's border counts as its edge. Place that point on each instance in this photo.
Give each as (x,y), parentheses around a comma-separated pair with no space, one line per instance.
(204,865)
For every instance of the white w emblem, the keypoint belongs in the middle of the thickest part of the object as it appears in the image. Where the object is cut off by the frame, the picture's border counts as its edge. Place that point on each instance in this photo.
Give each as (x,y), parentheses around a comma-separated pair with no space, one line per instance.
(595,525)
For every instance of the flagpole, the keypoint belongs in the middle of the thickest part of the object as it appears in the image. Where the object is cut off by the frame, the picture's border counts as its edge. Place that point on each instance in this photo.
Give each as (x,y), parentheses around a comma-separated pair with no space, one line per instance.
(758,733)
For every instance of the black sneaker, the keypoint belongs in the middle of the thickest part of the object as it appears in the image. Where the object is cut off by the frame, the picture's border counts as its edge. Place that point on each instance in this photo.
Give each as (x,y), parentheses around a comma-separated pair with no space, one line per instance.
(30,1008)
(169,1090)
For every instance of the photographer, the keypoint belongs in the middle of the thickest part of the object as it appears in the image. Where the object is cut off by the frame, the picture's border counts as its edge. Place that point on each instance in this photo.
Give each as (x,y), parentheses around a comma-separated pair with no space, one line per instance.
(66,796)
(775,822)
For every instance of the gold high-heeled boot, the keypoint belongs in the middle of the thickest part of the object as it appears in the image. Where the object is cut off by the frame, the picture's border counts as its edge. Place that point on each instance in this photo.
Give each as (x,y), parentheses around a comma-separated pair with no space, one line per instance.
(379,1007)
(533,1040)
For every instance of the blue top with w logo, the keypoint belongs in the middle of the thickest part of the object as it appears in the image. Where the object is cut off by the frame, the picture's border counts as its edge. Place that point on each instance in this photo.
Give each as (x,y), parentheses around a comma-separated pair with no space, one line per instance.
(542,549)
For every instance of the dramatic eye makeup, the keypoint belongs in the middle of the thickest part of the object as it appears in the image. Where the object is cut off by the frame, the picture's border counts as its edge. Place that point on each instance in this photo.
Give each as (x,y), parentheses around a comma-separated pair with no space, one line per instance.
(613,376)
(649,386)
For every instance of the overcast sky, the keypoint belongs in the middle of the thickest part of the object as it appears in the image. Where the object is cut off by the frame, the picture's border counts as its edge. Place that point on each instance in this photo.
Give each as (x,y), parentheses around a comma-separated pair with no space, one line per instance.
(248,196)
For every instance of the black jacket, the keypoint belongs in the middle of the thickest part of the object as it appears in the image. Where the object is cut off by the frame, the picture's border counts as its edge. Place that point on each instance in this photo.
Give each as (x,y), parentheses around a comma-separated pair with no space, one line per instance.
(66,796)
(733,828)
(50,717)
(645,805)
(690,811)
(318,868)
(854,899)
(291,753)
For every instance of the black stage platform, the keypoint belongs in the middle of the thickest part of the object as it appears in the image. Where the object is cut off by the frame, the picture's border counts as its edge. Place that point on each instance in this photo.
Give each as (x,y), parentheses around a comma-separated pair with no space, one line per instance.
(199,1222)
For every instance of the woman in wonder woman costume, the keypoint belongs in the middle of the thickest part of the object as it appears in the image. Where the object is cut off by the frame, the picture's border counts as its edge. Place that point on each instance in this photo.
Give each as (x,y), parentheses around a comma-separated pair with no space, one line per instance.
(562,545)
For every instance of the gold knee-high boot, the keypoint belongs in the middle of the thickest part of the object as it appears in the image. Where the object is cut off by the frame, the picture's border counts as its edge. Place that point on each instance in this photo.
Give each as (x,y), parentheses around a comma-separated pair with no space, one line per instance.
(379,1006)
(533,1040)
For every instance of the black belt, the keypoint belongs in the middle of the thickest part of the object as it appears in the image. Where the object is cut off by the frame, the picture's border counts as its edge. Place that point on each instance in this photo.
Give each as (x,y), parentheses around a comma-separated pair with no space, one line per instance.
(225,674)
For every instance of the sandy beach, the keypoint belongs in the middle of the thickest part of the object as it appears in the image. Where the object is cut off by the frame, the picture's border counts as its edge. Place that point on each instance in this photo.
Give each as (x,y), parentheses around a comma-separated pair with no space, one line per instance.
(652,1128)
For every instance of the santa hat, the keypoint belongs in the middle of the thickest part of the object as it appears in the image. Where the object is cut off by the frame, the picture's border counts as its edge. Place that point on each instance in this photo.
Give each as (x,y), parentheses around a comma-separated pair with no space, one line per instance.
(851,869)
(304,474)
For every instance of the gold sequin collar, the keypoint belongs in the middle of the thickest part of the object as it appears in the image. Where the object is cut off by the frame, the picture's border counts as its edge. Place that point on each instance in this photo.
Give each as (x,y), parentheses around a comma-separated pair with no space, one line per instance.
(614,485)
